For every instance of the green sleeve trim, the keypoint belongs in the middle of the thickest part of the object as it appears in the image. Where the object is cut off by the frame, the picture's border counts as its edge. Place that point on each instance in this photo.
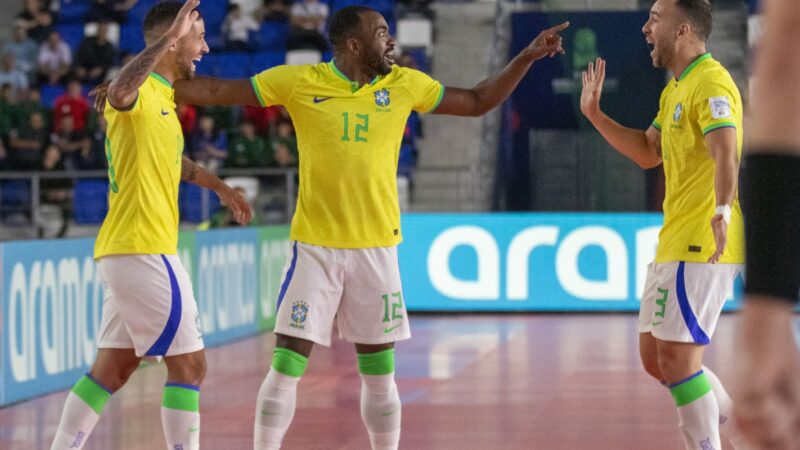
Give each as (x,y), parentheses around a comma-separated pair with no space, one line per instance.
(438,99)
(289,362)
(656,125)
(181,398)
(690,390)
(715,126)
(91,393)
(380,363)
(257,91)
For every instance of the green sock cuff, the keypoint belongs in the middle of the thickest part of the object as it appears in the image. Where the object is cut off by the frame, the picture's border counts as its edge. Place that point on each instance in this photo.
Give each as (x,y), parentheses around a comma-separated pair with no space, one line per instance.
(92,393)
(289,362)
(182,397)
(380,363)
(689,390)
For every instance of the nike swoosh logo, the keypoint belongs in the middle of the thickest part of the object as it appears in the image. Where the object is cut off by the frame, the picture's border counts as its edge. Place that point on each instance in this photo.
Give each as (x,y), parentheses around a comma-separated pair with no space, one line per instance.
(164,113)
(321,99)
(193,429)
(388,330)
(390,412)
(269,413)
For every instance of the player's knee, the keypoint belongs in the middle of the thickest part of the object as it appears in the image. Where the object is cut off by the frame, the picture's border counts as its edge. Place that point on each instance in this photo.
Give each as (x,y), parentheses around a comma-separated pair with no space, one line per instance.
(650,365)
(673,365)
(115,377)
(190,369)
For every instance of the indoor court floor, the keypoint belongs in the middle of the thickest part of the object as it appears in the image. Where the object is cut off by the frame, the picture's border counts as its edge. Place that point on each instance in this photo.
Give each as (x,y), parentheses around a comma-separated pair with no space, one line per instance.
(538,381)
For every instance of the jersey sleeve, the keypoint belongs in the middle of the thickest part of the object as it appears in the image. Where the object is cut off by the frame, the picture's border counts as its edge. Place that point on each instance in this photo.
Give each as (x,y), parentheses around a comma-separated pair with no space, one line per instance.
(427,92)
(658,121)
(274,86)
(716,106)
(135,107)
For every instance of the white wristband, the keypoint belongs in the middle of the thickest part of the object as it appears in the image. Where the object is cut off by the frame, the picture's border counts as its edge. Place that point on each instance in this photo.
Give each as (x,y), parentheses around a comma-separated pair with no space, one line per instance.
(725,210)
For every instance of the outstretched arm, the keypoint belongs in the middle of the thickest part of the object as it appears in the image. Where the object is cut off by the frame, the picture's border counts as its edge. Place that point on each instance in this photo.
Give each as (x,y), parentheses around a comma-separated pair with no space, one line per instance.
(642,147)
(122,92)
(492,91)
(215,91)
(192,173)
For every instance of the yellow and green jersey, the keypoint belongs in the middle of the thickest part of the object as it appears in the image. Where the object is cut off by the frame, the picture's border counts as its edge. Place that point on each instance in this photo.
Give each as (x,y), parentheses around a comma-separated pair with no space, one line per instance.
(144,147)
(702,100)
(348,140)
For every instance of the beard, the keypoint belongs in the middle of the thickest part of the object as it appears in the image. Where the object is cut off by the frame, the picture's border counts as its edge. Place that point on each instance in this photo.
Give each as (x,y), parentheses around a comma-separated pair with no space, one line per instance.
(186,71)
(377,63)
(663,56)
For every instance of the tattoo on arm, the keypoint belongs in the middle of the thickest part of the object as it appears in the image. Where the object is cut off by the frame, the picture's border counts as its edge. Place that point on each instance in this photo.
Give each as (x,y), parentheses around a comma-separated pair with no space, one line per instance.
(188,170)
(133,74)
(657,143)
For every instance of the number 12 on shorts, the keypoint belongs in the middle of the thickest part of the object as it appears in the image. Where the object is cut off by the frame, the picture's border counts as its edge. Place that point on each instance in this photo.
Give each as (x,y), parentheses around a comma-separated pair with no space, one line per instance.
(390,306)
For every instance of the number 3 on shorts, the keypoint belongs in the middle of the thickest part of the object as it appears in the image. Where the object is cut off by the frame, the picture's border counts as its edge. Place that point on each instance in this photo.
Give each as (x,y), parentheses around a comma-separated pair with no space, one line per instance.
(394,306)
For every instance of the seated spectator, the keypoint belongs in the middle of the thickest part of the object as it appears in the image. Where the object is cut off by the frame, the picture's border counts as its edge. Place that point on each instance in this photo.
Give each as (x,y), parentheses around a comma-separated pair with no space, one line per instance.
(422,7)
(11,75)
(36,19)
(187,115)
(283,145)
(93,151)
(69,142)
(27,144)
(73,104)
(56,191)
(24,49)
(224,116)
(247,149)
(263,118)
(8,113)
(208,145)
(55,59)
(273,10)
(307,24)
(95,57)
(31,103)
(236,28)
(125,58)
(110,10)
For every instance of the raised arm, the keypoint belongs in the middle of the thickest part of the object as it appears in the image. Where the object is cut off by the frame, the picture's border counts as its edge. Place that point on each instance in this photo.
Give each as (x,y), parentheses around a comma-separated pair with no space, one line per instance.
(722,147)
(215,91)
(122,92)
(492,91)
(192,173)
(642,147)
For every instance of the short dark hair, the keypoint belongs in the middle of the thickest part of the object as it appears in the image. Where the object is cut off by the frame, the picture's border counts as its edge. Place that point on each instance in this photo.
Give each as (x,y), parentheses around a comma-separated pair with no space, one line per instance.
(699,14)
(162,13)
(346,24)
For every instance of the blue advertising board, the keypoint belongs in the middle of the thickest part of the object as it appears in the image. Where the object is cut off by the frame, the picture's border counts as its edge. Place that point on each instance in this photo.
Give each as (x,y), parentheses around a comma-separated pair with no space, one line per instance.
(526,262)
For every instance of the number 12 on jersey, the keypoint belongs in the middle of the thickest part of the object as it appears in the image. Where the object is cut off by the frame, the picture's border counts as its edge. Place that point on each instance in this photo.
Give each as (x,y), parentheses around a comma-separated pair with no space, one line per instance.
(361,126)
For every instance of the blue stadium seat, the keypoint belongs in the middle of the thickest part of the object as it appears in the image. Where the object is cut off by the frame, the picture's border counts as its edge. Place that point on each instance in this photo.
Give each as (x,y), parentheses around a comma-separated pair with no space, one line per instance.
(73,11)
(72,34)
(131,38)
(232,65)
(214,13)
(264,60)
(15,193)
(50,93)
(90,201)
(190,203)
(206,66)
(272,36)
(137,14)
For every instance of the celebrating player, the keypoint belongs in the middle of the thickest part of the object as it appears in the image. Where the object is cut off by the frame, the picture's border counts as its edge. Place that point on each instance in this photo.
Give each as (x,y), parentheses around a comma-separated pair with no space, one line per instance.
(149,307)
(697,136)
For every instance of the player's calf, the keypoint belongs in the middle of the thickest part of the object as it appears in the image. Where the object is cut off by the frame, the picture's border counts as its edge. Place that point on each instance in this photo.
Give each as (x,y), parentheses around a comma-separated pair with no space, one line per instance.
(277,397)
(380,402)
(180,404)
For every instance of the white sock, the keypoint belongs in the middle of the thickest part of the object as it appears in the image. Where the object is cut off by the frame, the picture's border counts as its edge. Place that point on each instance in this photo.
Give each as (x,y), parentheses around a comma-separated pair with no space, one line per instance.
(77,422)
(727,426)
(274,410)
(381,410)
(698,412)
(180,416)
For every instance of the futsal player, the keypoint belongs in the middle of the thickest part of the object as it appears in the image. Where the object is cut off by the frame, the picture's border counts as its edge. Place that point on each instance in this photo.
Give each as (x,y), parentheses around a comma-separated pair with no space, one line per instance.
(768,376)
(350,114)
(149,308)
(697,136)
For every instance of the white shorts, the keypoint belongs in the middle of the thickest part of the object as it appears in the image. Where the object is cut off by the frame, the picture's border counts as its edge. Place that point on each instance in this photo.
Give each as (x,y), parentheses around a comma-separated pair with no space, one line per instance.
(149,306)
(360,288)
(682,301)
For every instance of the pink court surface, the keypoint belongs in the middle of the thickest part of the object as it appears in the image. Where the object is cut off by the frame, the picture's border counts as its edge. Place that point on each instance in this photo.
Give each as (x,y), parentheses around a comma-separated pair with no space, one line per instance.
(466,382)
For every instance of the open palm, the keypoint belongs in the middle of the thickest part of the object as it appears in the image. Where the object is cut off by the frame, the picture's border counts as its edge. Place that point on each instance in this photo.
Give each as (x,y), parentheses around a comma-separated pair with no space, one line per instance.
(592,78)
(184,20)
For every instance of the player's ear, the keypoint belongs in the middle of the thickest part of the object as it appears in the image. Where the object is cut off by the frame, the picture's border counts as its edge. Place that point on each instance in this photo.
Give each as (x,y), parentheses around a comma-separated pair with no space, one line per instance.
(684,29)
(354,46)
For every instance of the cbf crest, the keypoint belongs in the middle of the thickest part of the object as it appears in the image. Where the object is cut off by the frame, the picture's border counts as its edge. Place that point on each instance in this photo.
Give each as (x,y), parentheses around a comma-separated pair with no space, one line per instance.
(299,314)
(382,98)
(676,117)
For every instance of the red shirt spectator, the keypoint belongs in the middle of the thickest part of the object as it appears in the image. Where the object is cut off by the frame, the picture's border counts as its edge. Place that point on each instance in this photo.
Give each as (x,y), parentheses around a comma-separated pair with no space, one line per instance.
(187,115)
(72,103)
(262,118)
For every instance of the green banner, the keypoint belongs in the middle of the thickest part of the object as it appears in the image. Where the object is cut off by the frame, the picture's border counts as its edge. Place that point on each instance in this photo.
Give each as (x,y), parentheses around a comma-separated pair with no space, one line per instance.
(274,249)
(186,254)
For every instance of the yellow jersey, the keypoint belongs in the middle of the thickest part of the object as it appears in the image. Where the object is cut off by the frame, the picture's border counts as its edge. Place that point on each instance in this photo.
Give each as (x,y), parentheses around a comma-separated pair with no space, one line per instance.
(348,139)
(144,147)
(702,100)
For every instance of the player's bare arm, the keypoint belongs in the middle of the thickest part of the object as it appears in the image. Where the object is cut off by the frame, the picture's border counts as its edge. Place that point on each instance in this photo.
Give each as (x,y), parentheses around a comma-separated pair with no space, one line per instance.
(642,147)
(722,147)
(215,91)
(124,89)
(192,173)
(491,92)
